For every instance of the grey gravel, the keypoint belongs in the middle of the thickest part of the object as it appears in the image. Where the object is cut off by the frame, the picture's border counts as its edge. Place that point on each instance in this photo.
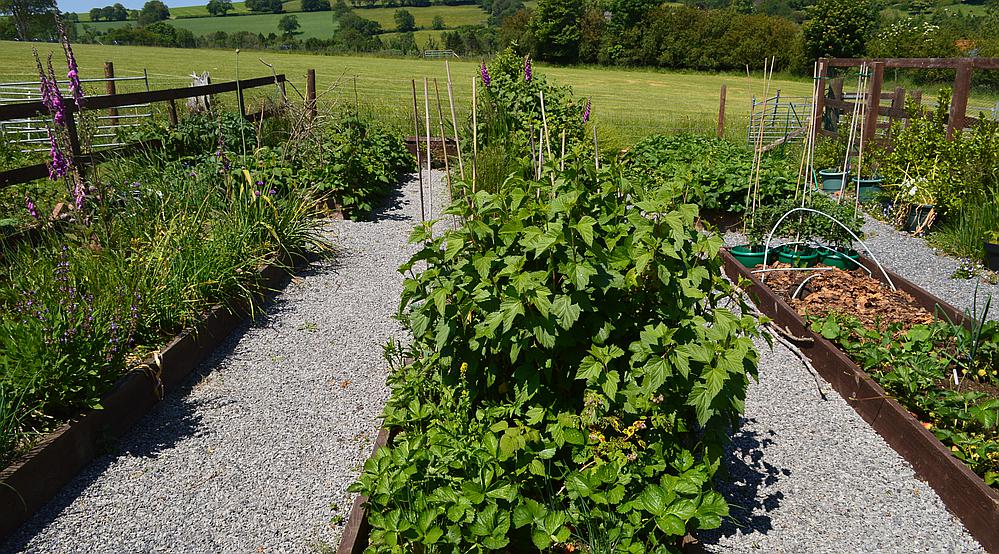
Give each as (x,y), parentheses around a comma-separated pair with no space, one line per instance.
(914,259)
(807,474)
(256,452)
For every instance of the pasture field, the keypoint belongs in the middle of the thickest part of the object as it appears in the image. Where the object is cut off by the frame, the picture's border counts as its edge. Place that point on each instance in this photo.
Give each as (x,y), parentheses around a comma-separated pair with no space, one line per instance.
(627,104)
(314,24)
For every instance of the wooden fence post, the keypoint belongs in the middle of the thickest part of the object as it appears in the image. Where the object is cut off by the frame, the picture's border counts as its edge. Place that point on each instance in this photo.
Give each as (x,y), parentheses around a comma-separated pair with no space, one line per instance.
(819,109)
(959,102)
(897,111)
(172,112)
(721,113)
(74,136)
(310,93)
(111,89)
(873,102)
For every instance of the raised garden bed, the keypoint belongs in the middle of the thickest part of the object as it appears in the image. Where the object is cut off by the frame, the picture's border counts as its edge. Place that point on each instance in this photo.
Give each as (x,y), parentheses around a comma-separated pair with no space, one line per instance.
(964,493)
(32,480)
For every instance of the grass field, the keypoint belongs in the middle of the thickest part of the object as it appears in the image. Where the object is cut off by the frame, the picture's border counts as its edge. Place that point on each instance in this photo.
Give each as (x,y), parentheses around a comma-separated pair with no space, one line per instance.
(314,24)
(627,104)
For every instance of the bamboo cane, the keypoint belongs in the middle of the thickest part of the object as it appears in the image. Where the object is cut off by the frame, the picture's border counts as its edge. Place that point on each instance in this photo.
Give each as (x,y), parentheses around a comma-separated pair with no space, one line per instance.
(419,162)
(758,154)
(860,153)
(430,155)
(440,119)
(759,166)
(596,149)
(853,133)
(544,122)
(561,161)
(454,120)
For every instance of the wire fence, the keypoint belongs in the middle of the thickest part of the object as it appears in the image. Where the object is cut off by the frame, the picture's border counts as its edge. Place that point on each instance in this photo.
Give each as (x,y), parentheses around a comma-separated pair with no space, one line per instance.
(31,134)
(779,118)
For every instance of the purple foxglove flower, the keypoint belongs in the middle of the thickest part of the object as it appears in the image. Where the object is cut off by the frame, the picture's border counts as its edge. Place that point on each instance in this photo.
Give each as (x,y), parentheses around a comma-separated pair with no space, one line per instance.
(485,75)
(31,207)
(586,111)
(528,73)
(60,165)
(79,195)
(75,88)
(49,89)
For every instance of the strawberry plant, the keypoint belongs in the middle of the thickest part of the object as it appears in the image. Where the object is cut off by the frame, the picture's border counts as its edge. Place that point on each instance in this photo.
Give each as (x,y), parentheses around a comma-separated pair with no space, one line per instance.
(917,366)
(575,374)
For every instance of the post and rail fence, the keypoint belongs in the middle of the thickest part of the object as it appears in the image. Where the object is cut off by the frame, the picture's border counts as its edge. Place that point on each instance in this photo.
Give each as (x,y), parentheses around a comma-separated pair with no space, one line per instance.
(786,118)
(112,103)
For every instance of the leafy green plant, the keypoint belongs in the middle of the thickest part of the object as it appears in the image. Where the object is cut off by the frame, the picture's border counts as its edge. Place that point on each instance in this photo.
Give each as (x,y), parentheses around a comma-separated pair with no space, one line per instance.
(356,164)
(173,237)
(807,225)
(573,370)
(916,365)
(713,173)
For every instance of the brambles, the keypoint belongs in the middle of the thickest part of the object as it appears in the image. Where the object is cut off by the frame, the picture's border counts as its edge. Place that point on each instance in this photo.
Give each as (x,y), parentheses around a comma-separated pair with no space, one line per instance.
(575,375)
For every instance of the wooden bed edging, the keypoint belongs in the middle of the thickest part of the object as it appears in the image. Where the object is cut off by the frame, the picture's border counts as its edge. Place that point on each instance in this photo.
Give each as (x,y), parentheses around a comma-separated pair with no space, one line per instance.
(355,535)
(30,482)
(962,491)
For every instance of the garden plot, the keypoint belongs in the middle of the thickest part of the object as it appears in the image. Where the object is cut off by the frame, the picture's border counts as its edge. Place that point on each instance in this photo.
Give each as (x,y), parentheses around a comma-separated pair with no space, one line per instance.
(259,450)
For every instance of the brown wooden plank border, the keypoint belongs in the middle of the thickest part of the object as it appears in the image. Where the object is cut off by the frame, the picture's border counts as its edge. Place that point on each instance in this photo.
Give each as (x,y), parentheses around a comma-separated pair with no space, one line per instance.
(355,535)
(32,481)
(963,492)
(22,110)
(918,63)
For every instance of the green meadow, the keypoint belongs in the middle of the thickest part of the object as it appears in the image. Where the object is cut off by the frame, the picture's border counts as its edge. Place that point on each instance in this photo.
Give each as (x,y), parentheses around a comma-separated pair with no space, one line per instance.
(627,104)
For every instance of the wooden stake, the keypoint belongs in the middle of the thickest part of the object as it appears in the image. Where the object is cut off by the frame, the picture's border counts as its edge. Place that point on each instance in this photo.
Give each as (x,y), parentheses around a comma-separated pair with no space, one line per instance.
(561,161)
(454,120)
(430,155)
(440,118)
(419,162)
(544,122)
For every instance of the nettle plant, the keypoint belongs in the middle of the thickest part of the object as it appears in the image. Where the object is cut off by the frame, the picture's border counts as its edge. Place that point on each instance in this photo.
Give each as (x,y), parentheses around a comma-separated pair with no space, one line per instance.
(575,375)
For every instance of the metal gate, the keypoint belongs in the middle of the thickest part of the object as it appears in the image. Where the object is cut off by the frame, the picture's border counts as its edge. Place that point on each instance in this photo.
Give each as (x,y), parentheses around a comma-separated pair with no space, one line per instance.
(31,134)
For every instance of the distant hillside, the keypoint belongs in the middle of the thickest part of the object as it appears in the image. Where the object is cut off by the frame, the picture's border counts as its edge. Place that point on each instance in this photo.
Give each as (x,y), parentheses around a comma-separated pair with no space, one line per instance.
(313,24)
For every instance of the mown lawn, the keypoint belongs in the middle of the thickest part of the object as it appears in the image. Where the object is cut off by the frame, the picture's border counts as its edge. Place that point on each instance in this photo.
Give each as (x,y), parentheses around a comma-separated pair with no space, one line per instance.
(627,104)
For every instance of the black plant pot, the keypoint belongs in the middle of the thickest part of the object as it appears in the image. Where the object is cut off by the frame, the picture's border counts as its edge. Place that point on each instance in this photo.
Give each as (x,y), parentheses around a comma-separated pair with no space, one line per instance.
(992,256)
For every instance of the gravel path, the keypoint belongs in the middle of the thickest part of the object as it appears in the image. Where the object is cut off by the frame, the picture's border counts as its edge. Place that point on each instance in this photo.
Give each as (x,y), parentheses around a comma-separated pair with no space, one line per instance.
(807,474)
(914,259)
(256,452)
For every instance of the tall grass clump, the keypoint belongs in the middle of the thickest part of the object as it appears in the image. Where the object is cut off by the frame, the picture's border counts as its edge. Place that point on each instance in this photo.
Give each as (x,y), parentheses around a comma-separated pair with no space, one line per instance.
(163,237)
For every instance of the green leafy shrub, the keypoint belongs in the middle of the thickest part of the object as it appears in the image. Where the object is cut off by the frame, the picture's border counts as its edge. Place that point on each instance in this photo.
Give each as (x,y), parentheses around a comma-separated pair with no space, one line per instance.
(575,375)
(356,164)
(713,173)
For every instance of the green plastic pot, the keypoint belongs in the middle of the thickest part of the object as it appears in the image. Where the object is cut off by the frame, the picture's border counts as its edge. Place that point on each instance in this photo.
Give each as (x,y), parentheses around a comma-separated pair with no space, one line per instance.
(748,256)
(798,258)
(869,188)
(849,260)
(832,179)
